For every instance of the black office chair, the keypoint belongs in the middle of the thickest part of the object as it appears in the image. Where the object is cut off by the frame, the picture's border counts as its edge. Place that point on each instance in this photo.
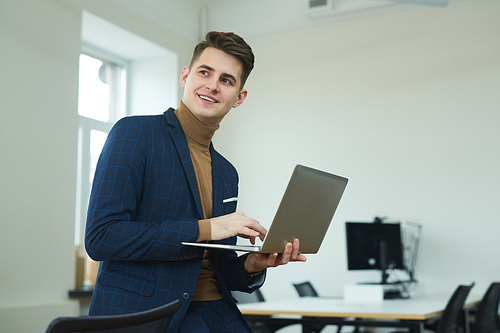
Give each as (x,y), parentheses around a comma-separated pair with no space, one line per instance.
(451,319)
(151,321)
(487,319)
(261,324)
(243,298)
(305,289)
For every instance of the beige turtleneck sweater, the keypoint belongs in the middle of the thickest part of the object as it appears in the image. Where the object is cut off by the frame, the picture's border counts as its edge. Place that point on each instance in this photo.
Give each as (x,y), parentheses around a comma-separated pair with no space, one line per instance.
(199,136)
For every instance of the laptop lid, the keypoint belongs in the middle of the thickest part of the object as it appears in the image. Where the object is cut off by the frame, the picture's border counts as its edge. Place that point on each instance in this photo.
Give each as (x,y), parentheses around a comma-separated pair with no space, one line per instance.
(305,212)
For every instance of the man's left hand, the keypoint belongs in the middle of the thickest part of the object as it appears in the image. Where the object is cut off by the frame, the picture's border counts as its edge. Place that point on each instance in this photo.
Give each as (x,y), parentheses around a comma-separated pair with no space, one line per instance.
(257,262)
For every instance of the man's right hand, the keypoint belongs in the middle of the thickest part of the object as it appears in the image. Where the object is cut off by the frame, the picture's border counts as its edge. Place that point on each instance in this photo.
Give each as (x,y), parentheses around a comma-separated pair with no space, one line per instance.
(236,224)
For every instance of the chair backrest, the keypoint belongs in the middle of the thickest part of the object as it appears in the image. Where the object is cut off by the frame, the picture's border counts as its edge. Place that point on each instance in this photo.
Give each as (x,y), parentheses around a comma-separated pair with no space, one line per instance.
(487,320)
(242,297)
(150,321)
(305,289)
(450,320)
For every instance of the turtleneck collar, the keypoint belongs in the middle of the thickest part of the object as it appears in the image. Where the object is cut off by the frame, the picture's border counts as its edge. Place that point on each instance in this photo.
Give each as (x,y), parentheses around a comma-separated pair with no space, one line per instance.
(194,128)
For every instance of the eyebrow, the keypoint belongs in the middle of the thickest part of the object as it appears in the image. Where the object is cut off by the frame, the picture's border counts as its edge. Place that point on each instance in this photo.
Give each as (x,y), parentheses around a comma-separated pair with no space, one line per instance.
(227,75)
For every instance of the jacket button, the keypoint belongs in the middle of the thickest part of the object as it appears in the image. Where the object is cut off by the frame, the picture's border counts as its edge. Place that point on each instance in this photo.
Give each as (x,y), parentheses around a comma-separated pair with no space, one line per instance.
(186,296)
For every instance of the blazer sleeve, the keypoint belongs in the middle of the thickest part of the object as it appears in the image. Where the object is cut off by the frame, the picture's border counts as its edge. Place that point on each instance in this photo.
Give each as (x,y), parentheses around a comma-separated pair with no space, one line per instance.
(118,226)
(235,278)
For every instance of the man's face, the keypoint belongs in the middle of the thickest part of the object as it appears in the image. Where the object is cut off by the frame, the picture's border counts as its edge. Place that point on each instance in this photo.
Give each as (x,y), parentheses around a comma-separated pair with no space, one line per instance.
(212,86)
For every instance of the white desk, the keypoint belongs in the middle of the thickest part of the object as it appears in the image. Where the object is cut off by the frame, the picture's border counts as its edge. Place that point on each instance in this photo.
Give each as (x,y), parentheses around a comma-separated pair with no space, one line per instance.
(411,313)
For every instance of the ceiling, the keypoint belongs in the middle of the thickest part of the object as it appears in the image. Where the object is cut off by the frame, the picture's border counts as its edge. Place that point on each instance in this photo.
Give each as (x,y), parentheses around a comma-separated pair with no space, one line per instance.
(192,18)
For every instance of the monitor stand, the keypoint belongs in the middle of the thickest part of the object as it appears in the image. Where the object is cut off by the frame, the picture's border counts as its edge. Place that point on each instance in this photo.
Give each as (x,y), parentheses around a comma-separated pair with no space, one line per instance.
(391,290)
(385,277)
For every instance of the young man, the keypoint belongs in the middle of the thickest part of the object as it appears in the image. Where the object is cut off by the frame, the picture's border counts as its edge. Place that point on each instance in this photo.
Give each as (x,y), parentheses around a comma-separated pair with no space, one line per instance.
(160,182)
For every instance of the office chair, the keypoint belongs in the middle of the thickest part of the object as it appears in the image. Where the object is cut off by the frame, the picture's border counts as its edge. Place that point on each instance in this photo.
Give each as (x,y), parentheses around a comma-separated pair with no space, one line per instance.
(305,289)
(261,324)
(487,319)
(151,321)
(450,321)
(242,297)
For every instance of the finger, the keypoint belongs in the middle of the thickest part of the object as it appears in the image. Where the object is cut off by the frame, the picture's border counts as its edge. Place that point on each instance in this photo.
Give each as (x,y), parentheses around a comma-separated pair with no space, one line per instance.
(285,258)
(260,232)
(301,257)
(255,225)
(252,234)
(295,249)
(252,228)
(249,233)
(261,256)
(271,260)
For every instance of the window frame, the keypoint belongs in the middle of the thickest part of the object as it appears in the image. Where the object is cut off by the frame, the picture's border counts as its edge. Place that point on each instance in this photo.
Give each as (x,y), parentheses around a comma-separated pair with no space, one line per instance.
(86,125)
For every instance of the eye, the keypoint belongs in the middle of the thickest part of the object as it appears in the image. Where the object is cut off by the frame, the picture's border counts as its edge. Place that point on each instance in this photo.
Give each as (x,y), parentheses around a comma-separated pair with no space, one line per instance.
(227,81)
(203,72)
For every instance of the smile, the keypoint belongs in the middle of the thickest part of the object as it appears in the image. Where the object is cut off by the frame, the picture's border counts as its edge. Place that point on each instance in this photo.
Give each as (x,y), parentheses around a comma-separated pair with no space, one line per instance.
(206,98)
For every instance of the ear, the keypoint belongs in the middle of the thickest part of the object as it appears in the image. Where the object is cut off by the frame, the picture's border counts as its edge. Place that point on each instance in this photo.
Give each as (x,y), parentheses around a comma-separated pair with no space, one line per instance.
(184,75)
(241,97)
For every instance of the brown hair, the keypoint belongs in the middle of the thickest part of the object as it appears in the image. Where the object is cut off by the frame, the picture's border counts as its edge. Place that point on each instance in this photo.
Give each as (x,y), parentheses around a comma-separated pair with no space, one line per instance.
(229,43)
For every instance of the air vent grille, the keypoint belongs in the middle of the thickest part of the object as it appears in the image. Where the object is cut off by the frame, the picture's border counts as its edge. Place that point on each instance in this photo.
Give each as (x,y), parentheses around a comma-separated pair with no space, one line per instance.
(318,3)
(319,8)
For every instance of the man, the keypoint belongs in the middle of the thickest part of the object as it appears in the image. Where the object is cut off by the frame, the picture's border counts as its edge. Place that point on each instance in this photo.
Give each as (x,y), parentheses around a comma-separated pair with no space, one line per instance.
(160,182)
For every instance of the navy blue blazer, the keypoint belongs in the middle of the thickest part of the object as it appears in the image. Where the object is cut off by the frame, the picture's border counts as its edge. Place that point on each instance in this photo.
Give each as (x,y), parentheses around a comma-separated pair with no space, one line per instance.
(144,202)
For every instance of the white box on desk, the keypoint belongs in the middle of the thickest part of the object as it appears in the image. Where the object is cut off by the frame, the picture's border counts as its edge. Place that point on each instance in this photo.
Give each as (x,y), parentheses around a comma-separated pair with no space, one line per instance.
(364,293)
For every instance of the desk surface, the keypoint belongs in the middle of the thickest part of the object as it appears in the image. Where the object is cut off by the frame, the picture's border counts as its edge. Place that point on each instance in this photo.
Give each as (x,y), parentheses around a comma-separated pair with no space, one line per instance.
(402,309)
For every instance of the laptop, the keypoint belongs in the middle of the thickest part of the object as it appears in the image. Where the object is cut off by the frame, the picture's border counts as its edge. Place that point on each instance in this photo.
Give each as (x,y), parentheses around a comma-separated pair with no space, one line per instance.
(305,212)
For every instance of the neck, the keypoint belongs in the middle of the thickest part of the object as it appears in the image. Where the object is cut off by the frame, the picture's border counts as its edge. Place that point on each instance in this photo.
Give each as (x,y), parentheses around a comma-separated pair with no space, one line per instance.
(193,127)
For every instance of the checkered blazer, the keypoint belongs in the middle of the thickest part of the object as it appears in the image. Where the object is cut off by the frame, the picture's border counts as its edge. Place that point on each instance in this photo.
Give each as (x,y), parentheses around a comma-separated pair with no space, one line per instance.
(144,203)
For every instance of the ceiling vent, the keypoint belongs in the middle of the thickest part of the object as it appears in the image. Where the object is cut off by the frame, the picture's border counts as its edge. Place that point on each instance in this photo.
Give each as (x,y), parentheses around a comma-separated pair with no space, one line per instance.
(319,8)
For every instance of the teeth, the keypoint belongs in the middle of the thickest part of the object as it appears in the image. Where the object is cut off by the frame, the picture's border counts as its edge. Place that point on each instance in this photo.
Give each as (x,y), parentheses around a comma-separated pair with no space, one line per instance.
(207,98)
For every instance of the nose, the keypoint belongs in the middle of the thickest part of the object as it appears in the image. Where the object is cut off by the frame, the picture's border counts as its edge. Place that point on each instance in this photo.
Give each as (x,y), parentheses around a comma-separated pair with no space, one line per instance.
(213,84)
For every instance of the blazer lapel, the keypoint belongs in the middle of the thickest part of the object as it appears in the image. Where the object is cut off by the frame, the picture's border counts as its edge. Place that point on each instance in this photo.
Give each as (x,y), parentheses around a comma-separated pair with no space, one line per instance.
(218,209)
(179,139)
(222,190)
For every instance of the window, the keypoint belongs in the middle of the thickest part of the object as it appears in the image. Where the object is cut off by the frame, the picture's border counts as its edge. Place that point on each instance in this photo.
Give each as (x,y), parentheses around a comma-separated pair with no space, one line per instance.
(150,75)
(101,102)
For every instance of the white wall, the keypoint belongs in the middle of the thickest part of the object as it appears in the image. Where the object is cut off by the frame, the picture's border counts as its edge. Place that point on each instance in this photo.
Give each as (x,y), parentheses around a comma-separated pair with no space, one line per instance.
(406,105)
(38,81)
(40,44)
(154,83)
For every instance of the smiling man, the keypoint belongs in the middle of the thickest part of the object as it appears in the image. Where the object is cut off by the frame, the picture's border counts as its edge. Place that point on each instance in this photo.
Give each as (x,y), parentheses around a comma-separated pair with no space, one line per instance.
(213,85)
(160,182)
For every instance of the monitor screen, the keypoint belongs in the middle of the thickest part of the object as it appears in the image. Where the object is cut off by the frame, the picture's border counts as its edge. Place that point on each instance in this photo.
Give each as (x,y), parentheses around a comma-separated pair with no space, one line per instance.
(374,246)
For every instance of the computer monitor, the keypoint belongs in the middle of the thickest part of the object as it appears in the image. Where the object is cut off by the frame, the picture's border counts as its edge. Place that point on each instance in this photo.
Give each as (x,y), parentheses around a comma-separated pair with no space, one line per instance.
(374,246)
